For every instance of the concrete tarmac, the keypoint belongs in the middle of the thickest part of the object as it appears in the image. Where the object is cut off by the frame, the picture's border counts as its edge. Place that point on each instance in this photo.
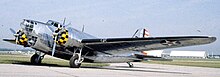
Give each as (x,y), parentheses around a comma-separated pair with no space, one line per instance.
(114,70)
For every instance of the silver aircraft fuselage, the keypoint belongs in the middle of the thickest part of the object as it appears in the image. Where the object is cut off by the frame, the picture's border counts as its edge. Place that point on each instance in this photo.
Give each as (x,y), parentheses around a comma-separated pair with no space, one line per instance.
(43,33)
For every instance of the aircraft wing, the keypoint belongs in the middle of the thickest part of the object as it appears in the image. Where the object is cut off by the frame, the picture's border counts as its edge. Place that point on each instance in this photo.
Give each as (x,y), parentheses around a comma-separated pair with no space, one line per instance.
(10,40)
(143,44)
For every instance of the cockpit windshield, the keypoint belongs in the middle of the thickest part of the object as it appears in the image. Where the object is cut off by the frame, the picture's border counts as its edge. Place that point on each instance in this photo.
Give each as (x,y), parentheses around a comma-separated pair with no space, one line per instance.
(54,23)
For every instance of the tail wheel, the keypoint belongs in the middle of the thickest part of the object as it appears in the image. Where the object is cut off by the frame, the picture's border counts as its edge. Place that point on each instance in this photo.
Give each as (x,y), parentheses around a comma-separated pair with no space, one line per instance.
(74,63)
(36,59)
(130,64)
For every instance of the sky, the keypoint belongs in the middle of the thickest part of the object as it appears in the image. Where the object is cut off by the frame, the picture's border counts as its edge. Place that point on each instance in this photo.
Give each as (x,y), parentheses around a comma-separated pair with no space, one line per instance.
(119,18)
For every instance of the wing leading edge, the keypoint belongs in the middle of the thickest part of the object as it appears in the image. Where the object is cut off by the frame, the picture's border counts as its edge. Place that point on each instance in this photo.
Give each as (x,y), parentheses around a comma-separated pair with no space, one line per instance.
(142,44)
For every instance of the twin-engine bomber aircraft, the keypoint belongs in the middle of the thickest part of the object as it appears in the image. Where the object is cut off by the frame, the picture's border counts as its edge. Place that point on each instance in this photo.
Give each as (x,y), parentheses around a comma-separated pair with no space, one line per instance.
(60,40)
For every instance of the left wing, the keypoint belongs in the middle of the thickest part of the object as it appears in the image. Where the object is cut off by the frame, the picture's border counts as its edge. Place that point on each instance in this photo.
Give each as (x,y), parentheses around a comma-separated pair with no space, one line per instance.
(143,44)
(10,40)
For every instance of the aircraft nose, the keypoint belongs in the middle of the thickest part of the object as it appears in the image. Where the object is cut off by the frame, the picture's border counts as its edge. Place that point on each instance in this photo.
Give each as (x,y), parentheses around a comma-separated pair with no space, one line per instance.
(28,25)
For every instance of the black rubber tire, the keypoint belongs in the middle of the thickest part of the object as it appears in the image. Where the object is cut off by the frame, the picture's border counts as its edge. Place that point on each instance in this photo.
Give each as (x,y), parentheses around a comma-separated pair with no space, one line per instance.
(131,65)
(73,60)
(35,60)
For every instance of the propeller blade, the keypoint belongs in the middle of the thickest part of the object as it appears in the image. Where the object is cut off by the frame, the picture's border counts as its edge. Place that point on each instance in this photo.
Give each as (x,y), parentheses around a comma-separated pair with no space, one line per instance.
(16,40)
(64,20)
(15,43)
(13,31)
(83,28)
(15,34)
(54,46)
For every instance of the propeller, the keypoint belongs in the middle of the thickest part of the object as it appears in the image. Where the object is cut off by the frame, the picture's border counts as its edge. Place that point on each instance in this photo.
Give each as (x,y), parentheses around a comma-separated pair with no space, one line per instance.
(20,37)
(83,28)
(54,44)
(13,31)
(64,20)
(60,36)
(16,36)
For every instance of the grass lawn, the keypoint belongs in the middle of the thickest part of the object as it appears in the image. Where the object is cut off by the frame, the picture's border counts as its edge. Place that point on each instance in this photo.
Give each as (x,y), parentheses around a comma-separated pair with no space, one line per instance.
(213,63)
(25,60)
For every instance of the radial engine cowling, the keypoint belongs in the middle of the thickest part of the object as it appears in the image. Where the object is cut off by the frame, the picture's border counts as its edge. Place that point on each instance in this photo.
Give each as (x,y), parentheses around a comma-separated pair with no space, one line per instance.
(62,36)
(21,38)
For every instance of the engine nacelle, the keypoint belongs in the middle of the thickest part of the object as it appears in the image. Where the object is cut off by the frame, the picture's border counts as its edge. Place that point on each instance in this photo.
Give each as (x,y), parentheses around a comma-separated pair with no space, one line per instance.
(21,38)
(62,36)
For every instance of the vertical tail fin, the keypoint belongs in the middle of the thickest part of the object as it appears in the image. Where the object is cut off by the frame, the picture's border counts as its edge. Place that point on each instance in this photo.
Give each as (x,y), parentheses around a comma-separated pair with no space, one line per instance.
(141,33)
(146,33)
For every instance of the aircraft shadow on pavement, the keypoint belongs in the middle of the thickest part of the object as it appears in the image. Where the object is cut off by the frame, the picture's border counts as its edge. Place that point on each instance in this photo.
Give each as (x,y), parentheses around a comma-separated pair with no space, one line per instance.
(29,63)
(43,64)
(122,68)
(139,69)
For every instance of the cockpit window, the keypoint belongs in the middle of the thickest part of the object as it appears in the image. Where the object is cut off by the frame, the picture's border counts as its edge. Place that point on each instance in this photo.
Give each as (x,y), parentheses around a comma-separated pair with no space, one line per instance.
(49,22)
(27,21)
(54,23)
(32,22)
(28,25)
(31,26)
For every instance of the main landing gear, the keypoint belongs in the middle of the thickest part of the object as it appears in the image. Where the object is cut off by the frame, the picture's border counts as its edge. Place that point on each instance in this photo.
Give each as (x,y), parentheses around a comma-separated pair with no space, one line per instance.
(37,58)
(77,59)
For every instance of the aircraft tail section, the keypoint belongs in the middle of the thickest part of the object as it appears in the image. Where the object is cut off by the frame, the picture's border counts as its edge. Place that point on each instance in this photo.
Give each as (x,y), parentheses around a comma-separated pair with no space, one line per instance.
(141,33)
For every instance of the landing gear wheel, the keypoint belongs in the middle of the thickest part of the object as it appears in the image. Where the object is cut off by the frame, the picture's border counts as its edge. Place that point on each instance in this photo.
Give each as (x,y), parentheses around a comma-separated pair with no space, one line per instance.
(36,59)
(130,64)
(74,63)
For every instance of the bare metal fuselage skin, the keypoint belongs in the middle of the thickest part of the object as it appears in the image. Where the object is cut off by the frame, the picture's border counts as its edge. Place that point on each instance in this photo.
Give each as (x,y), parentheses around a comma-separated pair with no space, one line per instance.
(43,34)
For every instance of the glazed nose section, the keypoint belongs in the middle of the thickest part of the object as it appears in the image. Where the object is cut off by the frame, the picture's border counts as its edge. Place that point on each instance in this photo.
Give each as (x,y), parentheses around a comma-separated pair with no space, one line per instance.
(28,25)
(28,29)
